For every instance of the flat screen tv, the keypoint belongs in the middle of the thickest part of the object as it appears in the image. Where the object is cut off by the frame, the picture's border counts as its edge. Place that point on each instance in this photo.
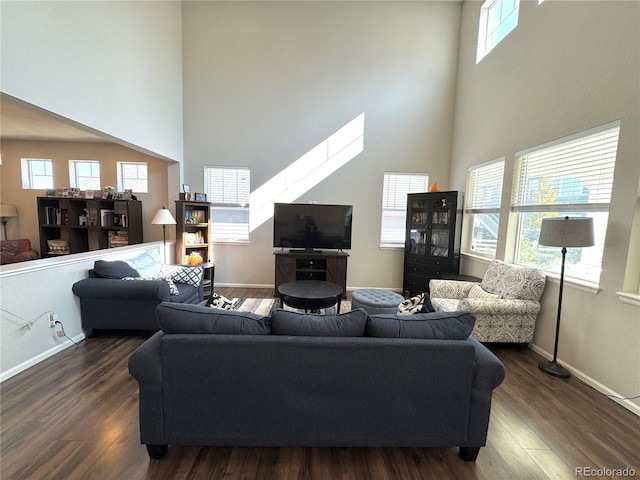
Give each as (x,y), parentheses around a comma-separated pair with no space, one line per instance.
(312,226)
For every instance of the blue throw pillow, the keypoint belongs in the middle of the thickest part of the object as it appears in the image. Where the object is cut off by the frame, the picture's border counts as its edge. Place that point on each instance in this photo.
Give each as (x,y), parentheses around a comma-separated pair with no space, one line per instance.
(350,324)
(437,325)
(114,269)
(187,318)
(147,264)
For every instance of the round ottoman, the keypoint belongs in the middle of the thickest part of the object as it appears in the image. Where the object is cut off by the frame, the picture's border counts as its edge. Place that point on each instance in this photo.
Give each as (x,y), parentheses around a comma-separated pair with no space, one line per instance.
(376,300)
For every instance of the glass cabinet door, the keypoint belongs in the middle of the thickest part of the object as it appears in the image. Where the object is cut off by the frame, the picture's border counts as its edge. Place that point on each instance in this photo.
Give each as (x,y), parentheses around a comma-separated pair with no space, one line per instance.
(441,215)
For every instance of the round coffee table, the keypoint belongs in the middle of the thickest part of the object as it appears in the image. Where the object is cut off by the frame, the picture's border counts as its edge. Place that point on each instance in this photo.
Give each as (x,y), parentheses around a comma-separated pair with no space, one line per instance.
(310,294)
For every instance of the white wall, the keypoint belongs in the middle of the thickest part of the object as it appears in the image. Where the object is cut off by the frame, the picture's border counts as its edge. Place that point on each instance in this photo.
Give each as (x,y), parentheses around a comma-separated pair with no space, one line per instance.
(567,67)
(265,82)
(115,67)
(31,289)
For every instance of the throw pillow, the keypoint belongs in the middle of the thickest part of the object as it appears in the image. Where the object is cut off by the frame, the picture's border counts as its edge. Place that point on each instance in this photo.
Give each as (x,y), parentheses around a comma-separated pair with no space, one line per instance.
(418,304)
(478,292)
(350,324)
(218,301)
(114,269)
(147,264)
(186,318)
(182,274)
(436,325)
(173,290)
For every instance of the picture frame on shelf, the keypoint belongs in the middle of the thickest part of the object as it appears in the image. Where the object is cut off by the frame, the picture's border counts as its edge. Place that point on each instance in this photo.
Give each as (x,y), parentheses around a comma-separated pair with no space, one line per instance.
(186,188)
(200,197)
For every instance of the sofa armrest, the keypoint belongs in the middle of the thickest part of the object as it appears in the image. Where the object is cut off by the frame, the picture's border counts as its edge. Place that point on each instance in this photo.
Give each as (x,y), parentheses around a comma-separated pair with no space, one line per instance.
(488,370)
(116,288)
(493,306)
(144,363)
(454,289)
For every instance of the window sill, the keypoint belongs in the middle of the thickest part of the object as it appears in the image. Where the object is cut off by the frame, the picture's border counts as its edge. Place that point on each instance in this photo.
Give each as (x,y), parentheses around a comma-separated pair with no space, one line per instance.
(232,242)
(630,298)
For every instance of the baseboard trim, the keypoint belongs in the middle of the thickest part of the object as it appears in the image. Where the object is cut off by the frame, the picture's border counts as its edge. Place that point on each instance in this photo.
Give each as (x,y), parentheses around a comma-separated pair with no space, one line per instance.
(39,358)
(613,395)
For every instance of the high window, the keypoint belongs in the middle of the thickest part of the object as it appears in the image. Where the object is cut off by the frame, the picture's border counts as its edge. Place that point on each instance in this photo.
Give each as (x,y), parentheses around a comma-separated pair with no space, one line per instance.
(482,203)
(228,190)
(133,176)
(84,174)
(37,173)
(395,188)
(573,177)
(497,19)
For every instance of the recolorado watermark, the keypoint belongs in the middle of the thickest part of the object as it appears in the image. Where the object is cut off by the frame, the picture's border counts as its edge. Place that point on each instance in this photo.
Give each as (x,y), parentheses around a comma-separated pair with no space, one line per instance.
(604,472)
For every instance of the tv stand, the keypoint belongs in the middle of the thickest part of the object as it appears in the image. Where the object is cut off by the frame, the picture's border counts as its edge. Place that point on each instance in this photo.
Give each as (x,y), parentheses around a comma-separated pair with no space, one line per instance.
(327,266)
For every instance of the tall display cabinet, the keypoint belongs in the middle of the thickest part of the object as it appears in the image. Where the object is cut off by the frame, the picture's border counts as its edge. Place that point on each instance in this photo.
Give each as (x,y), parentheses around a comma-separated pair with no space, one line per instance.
(432,239)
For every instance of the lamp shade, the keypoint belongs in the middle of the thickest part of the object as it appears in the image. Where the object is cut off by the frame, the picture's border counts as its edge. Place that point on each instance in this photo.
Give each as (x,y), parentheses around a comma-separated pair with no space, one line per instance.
(163,217)
(567,232)
(7,210)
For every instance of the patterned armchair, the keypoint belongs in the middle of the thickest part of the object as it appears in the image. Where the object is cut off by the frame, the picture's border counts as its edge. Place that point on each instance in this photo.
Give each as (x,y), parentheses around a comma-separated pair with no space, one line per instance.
(14,251)
(506,303)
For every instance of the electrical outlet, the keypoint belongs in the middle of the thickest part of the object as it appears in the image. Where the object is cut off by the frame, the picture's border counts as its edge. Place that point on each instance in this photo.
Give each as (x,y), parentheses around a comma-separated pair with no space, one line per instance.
(53,318)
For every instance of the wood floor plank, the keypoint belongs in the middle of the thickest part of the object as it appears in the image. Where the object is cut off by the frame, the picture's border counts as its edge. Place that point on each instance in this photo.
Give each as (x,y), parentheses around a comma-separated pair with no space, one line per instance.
(75,417)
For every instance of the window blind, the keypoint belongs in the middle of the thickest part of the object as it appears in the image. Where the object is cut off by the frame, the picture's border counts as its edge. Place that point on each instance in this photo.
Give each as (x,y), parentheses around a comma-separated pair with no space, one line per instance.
(228,189)
(395,188)
(484,188)
(576,174)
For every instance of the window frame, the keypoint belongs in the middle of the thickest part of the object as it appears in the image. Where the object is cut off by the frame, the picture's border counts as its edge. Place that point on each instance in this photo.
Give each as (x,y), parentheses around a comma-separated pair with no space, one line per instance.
(476,206)
(29,177)
(389,213)
(572,182)
(486,40)
(75,178)
(237,203)
(122,179)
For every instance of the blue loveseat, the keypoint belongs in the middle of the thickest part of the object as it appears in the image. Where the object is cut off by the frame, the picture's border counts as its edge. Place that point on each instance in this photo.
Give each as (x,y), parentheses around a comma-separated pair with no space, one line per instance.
(123,295)
(218,377)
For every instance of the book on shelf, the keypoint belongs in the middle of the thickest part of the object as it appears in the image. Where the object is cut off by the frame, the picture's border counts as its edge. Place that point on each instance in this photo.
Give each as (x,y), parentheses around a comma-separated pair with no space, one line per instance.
(117,238)
(56,216)
(107,217)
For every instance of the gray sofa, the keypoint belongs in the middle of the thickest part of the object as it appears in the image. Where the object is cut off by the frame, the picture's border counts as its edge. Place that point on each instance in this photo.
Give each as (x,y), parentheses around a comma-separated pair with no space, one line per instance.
(226,378)
(109,302)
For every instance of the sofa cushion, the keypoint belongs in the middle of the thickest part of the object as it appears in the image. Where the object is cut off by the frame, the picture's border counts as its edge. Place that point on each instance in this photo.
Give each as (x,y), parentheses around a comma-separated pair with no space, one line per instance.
(147,264)
(513,281)
(182,274)
(186,318)
(478,292)
(436,325)
(350,324)
(114,269)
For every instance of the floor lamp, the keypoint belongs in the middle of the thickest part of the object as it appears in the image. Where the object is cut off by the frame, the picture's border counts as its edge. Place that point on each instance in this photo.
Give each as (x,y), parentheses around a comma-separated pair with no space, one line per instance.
(7,211)
(563,232)
(164,218)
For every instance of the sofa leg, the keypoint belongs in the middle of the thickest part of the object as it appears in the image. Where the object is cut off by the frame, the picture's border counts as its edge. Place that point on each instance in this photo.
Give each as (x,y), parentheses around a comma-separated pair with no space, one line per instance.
(469,454)
(156,452)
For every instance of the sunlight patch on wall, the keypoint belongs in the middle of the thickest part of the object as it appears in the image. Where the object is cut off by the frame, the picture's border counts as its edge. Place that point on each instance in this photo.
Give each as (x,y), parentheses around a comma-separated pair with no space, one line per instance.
(308,171)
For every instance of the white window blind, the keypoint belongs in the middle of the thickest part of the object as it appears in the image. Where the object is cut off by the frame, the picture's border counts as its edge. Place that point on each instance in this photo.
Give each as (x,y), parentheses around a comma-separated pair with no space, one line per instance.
(482,201)
(229,189)
(395,188)
(576,174)
(484,188)
(574,177)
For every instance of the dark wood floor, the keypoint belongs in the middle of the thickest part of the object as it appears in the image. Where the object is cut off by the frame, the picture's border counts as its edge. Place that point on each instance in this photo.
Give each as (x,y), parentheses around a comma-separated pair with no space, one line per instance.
(75,416)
